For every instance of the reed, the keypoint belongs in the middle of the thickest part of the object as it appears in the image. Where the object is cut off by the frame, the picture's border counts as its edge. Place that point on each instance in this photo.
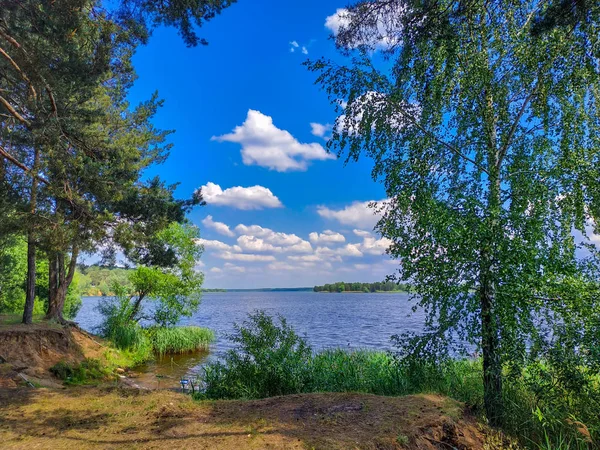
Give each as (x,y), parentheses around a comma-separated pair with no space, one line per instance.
(173,340)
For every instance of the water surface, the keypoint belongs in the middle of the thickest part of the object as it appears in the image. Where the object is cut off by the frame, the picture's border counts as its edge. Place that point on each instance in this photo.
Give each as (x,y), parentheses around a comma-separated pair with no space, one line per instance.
(348,320)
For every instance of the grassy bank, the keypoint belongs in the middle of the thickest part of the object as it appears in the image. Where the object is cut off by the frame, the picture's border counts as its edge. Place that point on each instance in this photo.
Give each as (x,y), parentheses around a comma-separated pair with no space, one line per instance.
(270,359)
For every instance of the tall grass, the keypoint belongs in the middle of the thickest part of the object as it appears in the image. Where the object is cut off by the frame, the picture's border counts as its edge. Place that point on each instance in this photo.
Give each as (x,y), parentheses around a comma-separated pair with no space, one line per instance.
(179,339)
(270,359)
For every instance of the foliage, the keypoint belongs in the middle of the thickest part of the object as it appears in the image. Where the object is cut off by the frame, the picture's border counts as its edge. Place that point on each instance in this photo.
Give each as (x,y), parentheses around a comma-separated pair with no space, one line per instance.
(87,371)
(179,339)
(484,133)
(270,359)
(144,343)
(340,286)
(176,290)
(98,280)
(73,148)
(13,274)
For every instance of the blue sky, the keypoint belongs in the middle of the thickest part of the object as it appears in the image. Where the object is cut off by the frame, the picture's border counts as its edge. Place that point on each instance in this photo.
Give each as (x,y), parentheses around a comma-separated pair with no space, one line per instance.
(285,185)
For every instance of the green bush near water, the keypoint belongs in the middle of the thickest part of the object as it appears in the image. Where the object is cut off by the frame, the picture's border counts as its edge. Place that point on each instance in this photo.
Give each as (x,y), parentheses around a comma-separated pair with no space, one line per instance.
(546,408)
(88,371)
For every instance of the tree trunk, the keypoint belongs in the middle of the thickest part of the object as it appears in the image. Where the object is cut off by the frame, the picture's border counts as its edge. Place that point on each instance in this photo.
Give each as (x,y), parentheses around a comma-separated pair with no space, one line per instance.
(59,284)
(492,366)
(136,307)
(30,289)
(490,330)
(31,245)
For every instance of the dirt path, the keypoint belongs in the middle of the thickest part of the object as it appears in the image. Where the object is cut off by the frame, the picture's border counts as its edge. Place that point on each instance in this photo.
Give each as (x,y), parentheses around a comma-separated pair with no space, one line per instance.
(84,418)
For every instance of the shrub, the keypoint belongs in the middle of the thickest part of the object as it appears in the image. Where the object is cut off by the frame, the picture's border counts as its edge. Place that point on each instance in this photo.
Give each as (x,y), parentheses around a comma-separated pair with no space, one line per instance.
(89,370)
(270,359)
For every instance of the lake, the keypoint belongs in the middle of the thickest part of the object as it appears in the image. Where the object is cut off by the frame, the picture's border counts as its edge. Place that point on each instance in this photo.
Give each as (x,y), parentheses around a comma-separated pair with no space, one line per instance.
(348,320)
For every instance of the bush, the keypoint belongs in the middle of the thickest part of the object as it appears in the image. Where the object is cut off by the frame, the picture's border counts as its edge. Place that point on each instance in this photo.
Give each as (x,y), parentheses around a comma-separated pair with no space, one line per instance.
(269,360)
(89,370)
(179,339)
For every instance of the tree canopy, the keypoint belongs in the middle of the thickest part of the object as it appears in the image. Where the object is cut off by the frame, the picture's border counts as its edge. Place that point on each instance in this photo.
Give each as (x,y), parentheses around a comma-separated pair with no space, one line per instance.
(485,135)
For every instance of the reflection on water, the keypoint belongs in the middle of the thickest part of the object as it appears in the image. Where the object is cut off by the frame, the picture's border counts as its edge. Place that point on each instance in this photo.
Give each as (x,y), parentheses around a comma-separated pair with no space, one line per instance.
(166,372)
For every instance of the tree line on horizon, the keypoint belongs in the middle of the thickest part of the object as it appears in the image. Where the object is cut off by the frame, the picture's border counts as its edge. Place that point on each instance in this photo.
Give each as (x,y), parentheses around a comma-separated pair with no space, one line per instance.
(379,286)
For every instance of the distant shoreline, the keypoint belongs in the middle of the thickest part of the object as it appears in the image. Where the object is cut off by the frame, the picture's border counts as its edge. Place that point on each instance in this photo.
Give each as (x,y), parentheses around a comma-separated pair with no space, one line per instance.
(213,291)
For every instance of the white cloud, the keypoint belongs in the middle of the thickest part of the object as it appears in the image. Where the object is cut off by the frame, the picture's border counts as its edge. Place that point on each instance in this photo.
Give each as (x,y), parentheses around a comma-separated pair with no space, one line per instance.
(376,32)
(326,236)
(319,129)
(373,246)
(265,145)
(255,244)
(357,214)
(273,237)
(350,250)
(246,198)
(215,270)
(233,268)
(338,21)
(217,245)
(293,46)
(288,243)
(219,227)
(362,233)
(304,50)
(279,265)
(301,247)
(244,257)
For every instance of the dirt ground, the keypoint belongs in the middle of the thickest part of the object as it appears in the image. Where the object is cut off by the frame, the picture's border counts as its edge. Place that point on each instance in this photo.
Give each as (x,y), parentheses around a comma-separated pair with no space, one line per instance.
(122,417)
(128,419)
(32,349)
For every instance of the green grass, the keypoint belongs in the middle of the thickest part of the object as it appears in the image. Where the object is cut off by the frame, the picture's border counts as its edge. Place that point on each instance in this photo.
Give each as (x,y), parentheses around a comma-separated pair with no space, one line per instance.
(179,339)
(89,371)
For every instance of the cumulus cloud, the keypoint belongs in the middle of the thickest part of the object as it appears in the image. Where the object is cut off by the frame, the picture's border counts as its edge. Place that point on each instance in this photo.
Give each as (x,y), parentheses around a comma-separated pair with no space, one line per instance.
(362,233)
(255,244)
(304,50)
(293,46)
(320,130)
(219,227)
(265,145)
(287,243)
(227,255)
(350,250)
(280,265)
(217,245)
(325,237)
(270,236)
(246,198)
(373,246)
(233,268)
(358,214)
